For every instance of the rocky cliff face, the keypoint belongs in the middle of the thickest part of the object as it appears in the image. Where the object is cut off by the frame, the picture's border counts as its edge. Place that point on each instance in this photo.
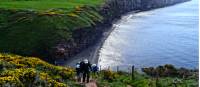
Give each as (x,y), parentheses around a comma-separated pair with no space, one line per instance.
(112,10)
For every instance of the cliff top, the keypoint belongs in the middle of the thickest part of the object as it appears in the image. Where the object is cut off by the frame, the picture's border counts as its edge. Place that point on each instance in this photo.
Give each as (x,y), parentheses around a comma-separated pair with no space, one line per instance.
(41,5)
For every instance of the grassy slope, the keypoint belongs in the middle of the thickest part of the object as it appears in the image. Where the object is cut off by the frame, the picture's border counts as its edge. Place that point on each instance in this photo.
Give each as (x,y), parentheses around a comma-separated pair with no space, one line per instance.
(42,5)
(34,32)
(25,71)
(123,79)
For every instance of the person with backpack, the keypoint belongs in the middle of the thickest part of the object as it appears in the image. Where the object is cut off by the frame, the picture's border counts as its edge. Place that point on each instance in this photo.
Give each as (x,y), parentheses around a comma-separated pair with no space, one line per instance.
(95,70)
(85,68)
(78,72)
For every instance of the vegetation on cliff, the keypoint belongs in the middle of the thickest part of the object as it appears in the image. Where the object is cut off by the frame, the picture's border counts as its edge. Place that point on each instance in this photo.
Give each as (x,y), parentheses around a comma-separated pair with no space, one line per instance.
(33,27)
(21,71)
(41,28)
(124,79)
(44,5)
(170,71)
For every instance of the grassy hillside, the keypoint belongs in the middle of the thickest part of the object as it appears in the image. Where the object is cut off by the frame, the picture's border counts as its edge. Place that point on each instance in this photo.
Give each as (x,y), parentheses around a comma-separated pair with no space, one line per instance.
(21,71)
(42,5)
(33,27)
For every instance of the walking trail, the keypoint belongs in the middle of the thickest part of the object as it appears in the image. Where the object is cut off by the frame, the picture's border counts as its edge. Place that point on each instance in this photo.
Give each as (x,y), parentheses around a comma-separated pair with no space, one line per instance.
(92,83)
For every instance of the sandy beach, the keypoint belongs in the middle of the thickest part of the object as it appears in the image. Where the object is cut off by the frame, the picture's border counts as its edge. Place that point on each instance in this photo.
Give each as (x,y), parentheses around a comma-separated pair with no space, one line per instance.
(92,53)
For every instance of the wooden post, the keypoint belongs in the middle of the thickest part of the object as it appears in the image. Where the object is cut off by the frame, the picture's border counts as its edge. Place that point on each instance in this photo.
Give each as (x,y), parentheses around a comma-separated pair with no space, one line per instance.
(100,68)
(117,68)
(133,72)
(108,67)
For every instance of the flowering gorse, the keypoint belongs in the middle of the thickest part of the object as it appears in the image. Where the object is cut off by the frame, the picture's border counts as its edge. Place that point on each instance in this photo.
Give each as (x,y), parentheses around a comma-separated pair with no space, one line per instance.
(30,71)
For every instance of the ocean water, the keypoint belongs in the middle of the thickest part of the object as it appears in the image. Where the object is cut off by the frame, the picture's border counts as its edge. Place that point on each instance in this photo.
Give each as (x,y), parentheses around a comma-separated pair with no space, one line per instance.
(162,36)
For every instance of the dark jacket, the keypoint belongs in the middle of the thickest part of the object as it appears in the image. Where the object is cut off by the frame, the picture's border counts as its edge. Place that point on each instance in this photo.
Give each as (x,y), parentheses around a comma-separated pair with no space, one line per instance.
(85,67)
(95,68)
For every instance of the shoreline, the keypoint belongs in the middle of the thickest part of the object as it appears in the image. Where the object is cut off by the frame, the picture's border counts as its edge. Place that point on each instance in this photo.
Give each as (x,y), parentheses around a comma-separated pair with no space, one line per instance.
(92,52)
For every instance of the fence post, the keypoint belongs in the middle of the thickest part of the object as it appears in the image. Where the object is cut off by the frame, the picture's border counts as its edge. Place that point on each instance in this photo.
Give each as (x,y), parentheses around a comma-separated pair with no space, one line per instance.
(132,73)
(108,67)
(100,68)
(117,68)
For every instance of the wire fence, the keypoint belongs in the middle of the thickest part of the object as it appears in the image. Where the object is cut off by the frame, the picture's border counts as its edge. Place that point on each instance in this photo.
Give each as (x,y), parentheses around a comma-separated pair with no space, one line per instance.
(130,69)
(124,68)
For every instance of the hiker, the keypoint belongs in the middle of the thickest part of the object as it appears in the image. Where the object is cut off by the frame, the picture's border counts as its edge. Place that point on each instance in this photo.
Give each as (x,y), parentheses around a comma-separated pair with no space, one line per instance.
(85,68)
(78,71)
(95,69)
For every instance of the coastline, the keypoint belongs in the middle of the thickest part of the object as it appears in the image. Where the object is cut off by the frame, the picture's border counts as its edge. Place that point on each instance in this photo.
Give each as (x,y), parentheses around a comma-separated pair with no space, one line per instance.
(116,36)
(92,52)
(80,31)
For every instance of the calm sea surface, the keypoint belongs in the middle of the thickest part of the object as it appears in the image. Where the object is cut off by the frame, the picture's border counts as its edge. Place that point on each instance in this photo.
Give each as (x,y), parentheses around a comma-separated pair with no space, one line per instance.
(162,36)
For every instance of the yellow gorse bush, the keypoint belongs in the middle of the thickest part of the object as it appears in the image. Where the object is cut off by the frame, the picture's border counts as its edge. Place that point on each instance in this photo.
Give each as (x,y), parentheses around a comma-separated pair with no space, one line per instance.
(10,80)
(24,71)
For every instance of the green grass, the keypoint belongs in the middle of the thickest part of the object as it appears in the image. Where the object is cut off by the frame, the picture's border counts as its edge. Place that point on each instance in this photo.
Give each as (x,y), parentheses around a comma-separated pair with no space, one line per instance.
(143,80)
(35,33)
(42,5)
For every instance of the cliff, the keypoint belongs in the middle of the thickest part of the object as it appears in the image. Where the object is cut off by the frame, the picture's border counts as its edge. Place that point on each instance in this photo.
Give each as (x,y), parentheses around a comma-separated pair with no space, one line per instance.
(65,30)
(111,11)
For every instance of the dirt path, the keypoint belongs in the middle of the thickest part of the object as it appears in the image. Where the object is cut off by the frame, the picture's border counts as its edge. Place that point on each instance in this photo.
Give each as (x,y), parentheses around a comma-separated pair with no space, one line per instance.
(91,84)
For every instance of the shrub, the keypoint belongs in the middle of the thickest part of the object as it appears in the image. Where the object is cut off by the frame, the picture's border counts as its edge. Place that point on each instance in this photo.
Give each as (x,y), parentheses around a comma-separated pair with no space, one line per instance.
(31,71)
(109,75)
(10,81)
(168,70)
